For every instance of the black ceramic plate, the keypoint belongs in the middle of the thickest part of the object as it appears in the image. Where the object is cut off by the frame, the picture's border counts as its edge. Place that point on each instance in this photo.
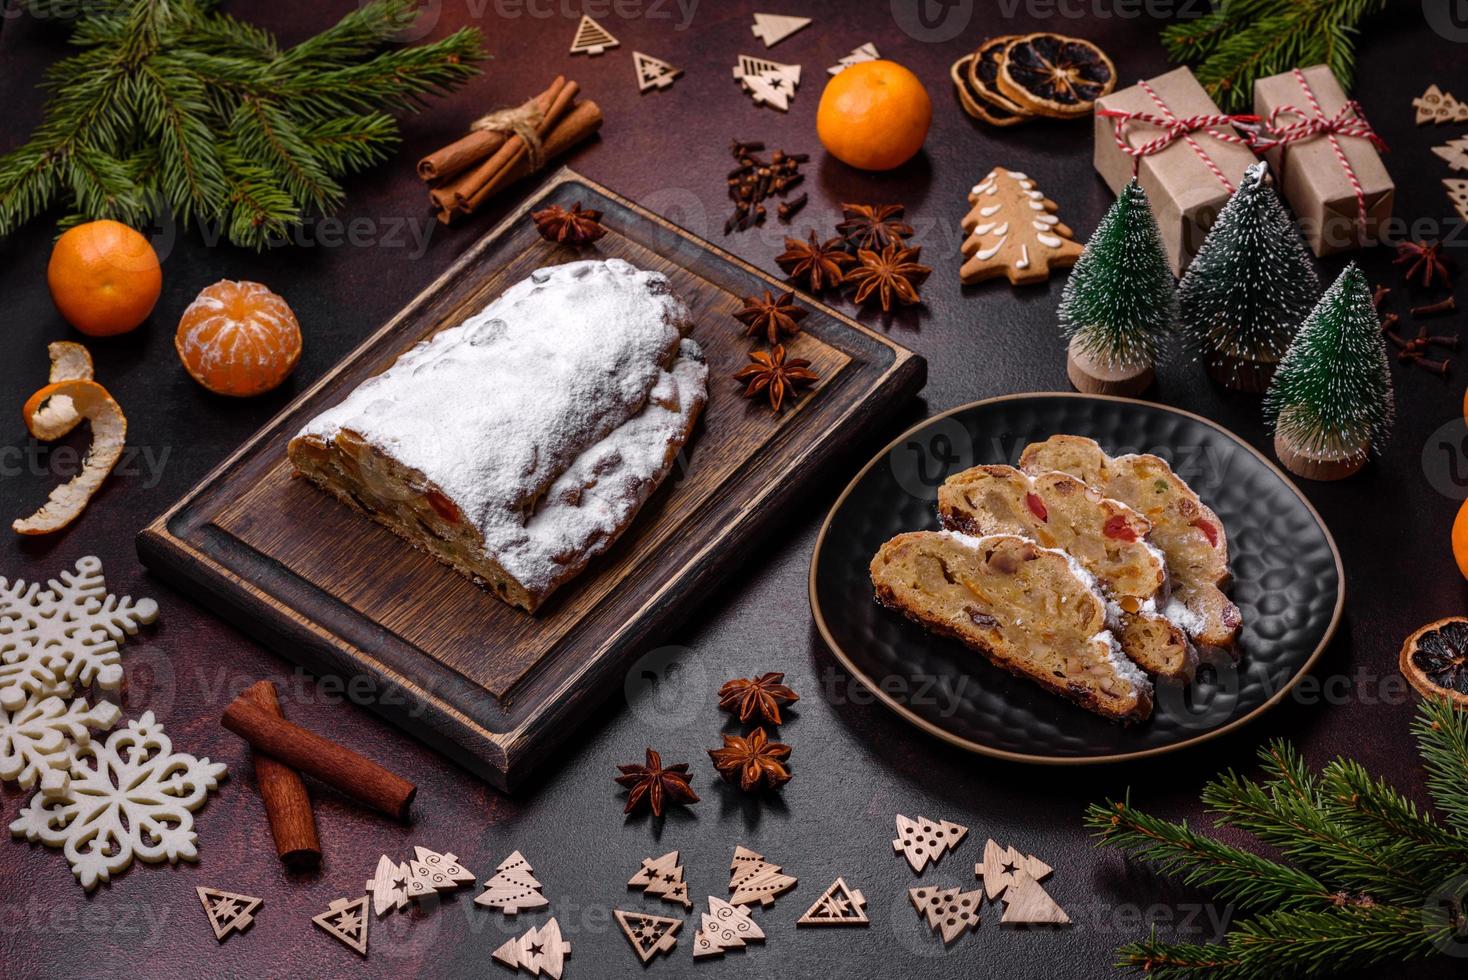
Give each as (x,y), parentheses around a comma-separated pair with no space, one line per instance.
(1288,582)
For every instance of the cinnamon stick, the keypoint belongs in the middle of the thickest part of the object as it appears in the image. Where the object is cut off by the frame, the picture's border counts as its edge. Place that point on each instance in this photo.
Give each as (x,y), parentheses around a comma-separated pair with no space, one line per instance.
(333,764)
(518,152)
(287,805)
(460,155)
(583,120)
(481,174)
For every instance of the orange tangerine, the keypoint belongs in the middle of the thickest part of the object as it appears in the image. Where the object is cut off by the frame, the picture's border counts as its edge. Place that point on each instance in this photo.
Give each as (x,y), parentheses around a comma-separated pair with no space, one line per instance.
(104,278)
(238,338)
(874,115)
(1460,539)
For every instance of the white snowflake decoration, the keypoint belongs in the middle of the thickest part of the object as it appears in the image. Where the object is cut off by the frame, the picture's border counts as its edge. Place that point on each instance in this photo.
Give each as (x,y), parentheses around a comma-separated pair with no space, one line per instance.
(133,797)
(64,635)
(40,739)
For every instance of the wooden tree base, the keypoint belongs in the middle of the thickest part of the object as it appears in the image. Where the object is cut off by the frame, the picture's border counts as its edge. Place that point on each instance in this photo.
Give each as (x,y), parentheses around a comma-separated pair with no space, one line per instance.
(1319,466)
(1093,378)
(1240,374)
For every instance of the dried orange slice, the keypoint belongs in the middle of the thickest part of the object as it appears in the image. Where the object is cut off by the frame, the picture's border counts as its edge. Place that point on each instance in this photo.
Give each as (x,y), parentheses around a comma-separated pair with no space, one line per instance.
(238,338)
(1055,75)
(1435,659)
(983,79)
(69,362)
(87,400)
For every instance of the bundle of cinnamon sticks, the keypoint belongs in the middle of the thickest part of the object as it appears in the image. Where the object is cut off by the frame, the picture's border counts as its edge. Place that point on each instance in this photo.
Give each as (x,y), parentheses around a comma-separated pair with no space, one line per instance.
(504,146)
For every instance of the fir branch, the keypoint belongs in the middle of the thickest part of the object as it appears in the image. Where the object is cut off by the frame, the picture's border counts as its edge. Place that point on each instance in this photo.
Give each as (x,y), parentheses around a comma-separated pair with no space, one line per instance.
(170,102)
(171,105)
(402,79)
(346,144)
(1354,828)
(1356,871)
(1245,40)
(1442,740)
(356,35)
(1373,811)
(1174,849)
(267,137)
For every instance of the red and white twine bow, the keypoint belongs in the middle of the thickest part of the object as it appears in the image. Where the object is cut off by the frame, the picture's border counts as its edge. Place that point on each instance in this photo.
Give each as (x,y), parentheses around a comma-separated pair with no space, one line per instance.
(1172,128)
(1349,120)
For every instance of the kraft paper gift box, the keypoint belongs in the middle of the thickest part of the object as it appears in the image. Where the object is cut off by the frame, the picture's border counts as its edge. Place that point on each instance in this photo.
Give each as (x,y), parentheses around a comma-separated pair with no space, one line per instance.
(1190,178)
(1311,175)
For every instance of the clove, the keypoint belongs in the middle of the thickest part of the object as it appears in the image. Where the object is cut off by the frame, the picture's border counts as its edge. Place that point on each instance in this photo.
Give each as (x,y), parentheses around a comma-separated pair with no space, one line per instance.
(1432,309)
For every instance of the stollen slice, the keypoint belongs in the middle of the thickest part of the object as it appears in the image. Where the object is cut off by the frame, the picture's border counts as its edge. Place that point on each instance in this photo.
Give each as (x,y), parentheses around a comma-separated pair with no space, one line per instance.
(1107,537)
(1030,610)
(1190,535)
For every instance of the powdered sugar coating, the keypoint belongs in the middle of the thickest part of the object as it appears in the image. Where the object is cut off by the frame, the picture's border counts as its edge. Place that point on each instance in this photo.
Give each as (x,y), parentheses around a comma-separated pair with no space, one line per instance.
(608,483)
(495,409)
(548,417)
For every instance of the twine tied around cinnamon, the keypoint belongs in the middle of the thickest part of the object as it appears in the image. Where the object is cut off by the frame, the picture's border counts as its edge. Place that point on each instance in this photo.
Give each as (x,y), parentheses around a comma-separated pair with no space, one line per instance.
(522,121)
(1349,120)
(1173,128)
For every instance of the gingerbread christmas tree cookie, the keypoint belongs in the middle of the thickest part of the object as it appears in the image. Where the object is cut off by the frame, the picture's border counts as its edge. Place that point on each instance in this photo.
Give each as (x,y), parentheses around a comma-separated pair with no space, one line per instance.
(1013,231)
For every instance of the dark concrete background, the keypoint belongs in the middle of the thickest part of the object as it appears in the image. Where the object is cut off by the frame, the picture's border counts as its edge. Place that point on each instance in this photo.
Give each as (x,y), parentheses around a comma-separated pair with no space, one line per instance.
(856,764)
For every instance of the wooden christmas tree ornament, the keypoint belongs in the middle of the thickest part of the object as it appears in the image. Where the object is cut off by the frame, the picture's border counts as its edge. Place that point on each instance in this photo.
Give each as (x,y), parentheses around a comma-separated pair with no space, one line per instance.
(753,879)
(839,905)
(923,841)
(774,28)
(652,72)
(227,911)
(1026,903)
(663,877)
(1457,189)
(1455,152)
(513,888)
(949,911)
(448,863)
(997,868)
(648,934)
(538,951)
(425,879)
(1437,106)
(592,38)
(388,886)
(1096,378)
(725,926)
(768,82)
(346,921)
(867,52)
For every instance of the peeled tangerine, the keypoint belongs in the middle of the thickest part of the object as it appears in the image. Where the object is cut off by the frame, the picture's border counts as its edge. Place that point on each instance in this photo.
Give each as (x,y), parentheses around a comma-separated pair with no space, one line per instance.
(238,338)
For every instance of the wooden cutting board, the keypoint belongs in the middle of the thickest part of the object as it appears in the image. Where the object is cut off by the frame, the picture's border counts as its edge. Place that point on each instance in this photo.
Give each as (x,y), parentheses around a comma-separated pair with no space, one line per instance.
(493,687)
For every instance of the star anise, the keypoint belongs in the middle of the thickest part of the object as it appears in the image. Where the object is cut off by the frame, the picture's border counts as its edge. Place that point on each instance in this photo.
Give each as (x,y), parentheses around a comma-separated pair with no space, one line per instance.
(1426,262)
(892,273)
(656,786)
(760,695)
(819,263)
(770,372)
(873,226)
(753,761)
(770,316)
(578,226)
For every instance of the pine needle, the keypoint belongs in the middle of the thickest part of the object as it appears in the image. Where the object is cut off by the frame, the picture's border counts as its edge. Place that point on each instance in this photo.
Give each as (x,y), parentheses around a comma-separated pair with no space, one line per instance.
(1243,41)
(171,104)
(1375,872)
